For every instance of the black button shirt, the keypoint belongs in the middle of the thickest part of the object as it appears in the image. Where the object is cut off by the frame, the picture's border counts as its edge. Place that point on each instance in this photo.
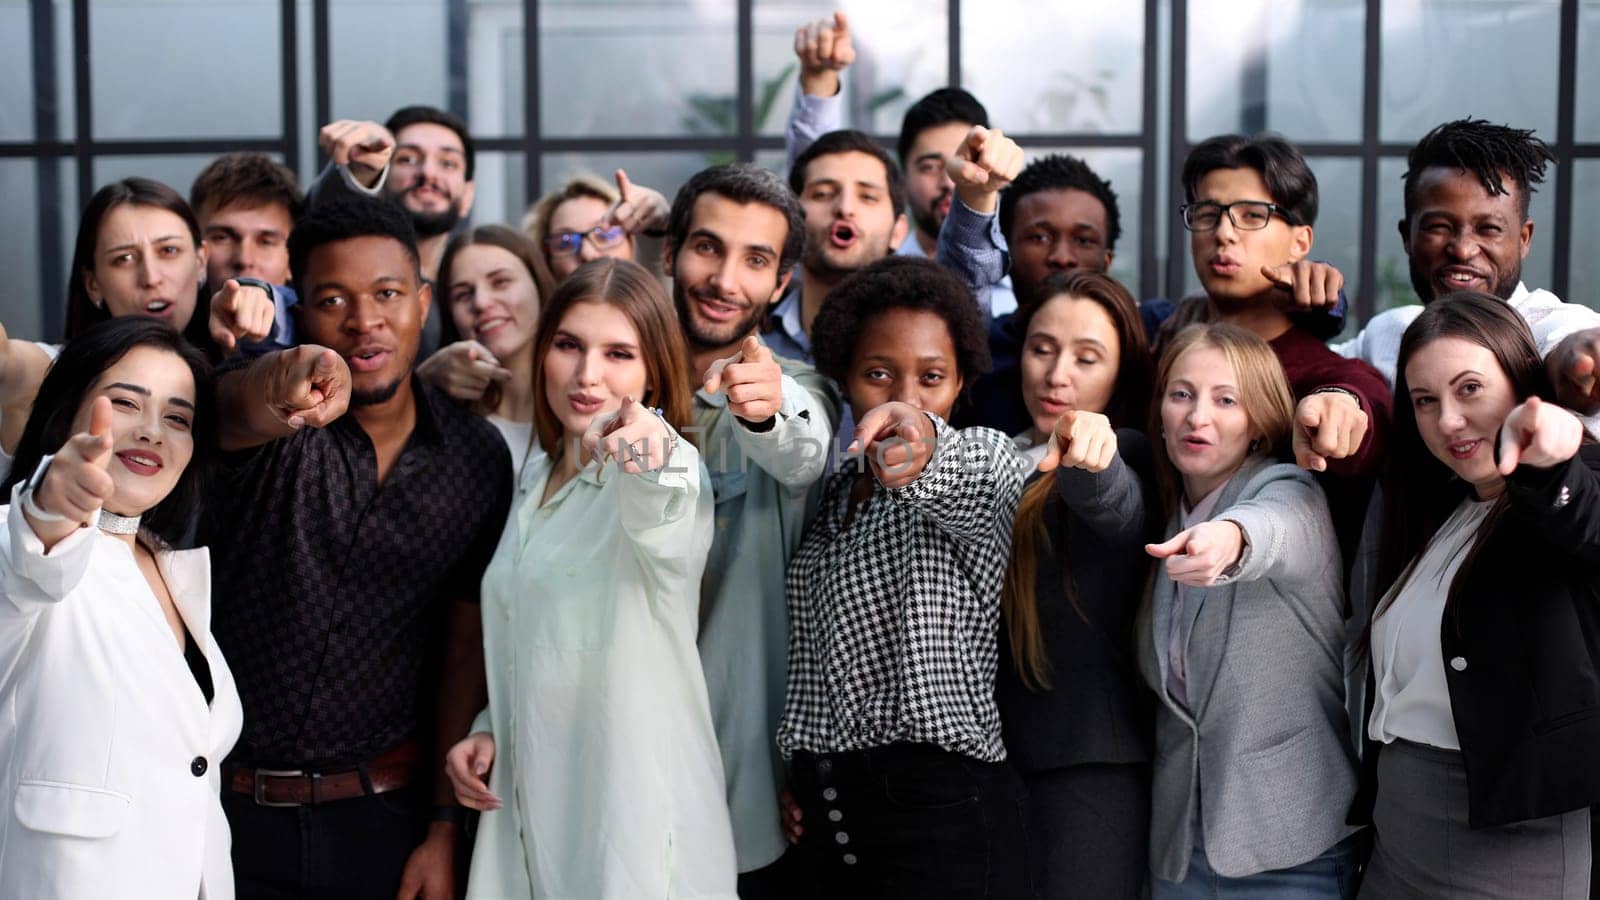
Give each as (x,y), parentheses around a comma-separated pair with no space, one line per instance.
(329,591)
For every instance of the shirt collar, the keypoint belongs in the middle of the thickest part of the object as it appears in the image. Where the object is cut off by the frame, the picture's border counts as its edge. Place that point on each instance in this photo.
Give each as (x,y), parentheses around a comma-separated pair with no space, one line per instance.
(786,316)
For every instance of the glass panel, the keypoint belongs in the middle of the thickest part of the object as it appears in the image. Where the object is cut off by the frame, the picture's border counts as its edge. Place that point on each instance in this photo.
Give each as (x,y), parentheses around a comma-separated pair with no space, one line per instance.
(36,268)
(1293,67)
(1121,169)
(665,172)
(1588,98)
(1433,64)
(637,67)
(495,82)
(1394,279)
(1584,279)
(177,172)
(900,56)
(186,68)
(502,188)
(386,54)
(1084,70)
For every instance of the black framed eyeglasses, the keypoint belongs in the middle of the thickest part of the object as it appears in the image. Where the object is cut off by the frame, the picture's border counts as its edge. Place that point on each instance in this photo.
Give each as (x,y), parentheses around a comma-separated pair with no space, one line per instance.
(1246,215)
(568,243)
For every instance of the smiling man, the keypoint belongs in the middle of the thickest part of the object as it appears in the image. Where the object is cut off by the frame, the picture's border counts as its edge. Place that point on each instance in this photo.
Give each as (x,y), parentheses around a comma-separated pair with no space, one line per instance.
(1468,184)
(350,547)
(765,425)
(852,195)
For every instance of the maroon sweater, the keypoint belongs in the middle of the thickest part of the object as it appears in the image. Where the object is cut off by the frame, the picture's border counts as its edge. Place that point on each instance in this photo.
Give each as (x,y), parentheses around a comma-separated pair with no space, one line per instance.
(1310,365)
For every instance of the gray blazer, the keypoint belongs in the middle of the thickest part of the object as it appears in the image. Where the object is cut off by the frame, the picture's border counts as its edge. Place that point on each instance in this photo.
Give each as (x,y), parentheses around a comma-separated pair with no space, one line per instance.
(1263,764)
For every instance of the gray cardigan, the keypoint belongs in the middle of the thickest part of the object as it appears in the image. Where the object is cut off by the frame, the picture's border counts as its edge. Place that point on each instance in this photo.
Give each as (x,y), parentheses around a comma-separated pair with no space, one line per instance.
(1265,756)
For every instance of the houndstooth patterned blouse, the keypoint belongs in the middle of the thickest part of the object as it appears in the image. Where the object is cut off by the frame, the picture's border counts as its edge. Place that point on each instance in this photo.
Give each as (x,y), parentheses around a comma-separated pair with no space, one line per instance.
(894,617)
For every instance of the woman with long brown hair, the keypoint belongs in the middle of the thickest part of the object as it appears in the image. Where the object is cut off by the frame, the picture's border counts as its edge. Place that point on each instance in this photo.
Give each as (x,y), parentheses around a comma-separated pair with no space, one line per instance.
(1483,711)
(1075,718)
(1242,639)
(596,763)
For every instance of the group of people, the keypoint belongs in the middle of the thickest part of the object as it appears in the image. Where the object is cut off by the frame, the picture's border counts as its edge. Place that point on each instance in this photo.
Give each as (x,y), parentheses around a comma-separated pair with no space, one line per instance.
(872,542)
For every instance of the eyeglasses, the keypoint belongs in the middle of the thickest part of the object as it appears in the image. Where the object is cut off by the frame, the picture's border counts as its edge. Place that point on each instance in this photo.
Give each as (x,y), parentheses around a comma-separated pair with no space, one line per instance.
(1246,215)
(568,243)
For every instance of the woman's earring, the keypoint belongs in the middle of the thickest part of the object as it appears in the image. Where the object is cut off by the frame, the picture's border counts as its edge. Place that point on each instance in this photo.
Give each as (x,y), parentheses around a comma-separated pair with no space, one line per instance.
(1255,445)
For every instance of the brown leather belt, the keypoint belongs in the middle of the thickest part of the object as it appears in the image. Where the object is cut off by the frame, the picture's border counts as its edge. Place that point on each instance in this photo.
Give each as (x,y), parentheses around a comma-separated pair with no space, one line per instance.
(293,787)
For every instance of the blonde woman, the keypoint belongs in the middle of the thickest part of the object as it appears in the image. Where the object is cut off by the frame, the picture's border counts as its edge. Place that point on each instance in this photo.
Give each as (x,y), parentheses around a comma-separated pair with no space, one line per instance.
(1242,639)
(587,219)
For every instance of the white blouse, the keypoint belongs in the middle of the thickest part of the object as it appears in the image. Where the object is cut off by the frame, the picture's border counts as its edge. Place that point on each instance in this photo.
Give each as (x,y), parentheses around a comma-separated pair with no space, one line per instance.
(519,439)
(1413,699)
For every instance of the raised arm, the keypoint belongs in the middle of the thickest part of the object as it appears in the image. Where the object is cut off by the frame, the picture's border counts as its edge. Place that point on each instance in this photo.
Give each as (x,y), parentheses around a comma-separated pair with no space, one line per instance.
(278,393)
(1552,476)
(1097,486)
(968,483)
(970,243)
(358,160)
(824,49)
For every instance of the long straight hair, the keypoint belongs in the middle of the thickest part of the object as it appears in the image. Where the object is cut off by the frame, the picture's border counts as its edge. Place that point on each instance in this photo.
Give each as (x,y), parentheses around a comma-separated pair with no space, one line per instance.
(78,369)
(513,242)
(1419,491)
(1126,408)
(83,312)
(1263,392)
(641,297)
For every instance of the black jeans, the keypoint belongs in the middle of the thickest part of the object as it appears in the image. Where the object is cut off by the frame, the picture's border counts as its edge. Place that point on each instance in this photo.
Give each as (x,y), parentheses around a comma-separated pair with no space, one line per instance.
(911,820)
(345,850)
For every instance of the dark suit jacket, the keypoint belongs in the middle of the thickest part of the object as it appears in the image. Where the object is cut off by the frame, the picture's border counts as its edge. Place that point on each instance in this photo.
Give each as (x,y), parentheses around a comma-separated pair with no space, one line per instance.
(1521,647)
(1097,709)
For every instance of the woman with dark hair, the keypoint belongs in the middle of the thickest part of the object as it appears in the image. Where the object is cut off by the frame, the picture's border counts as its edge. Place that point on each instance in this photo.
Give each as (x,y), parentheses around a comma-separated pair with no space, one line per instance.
(598,736)
(119,704)
(1073,713)
(138,253)
(1484,710)
(489,280)
(890,723)
(1242,639)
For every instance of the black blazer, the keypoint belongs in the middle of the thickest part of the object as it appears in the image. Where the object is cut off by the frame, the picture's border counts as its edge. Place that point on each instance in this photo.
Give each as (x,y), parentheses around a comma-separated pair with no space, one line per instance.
(1521,648)
(1097,709)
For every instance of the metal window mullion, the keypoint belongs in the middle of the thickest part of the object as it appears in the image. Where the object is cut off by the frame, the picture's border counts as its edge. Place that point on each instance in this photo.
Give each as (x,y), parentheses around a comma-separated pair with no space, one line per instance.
(1372,73)
(1178,146)
(1148,169)
(533,153)
(1566,129)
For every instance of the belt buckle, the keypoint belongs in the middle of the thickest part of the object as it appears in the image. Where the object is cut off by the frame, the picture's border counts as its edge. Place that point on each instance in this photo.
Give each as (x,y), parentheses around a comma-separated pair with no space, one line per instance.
(258,788)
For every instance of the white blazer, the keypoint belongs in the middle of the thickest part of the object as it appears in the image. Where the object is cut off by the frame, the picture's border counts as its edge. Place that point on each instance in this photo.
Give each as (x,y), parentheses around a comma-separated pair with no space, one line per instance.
(109,754)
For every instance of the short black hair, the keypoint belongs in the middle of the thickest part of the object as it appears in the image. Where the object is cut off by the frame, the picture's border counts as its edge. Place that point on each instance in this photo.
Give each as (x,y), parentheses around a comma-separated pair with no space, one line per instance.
(252,178)
(1060,172)
(82,361)
(741,183)
(433,115)
(1290,181)
(850,141)
(1487,151)
(345,217)
(899,282)
(947,104)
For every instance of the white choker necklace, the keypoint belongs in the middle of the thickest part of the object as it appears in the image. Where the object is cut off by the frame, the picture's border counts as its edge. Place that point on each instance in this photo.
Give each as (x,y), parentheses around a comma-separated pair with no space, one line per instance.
(111,523)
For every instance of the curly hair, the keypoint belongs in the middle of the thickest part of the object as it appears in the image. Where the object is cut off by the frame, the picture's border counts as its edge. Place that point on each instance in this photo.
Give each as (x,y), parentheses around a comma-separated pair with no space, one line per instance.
(899,282)
(1488,151)
(1059,172)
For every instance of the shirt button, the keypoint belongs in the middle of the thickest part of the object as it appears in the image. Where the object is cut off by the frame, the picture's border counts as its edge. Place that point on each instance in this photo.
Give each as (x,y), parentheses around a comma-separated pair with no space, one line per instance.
(834,815)
(842,838)
(849,859)
(1459,664)
(198,766)
(830,794)
(572,571)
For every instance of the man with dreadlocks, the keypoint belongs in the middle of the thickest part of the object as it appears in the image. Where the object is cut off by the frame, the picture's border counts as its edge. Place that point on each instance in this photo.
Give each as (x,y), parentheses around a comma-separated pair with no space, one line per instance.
(1466,228)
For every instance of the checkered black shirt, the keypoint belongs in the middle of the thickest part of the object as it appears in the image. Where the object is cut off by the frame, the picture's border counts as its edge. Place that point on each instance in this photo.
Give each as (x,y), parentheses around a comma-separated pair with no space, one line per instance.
(894,619)
(329,590)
